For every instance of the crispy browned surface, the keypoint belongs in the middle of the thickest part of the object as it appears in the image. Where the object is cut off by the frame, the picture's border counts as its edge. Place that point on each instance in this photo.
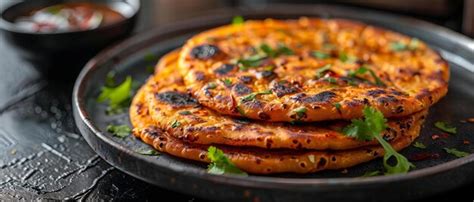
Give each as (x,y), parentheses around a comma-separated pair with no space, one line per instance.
(415,79)
(255,160)
(176,112)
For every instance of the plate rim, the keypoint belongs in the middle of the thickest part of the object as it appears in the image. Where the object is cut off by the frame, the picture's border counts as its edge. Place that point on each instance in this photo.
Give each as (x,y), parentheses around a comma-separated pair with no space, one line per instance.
(82,118)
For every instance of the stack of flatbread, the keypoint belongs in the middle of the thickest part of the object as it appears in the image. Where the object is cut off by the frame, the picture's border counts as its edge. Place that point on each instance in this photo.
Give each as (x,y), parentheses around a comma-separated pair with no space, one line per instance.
(276,95)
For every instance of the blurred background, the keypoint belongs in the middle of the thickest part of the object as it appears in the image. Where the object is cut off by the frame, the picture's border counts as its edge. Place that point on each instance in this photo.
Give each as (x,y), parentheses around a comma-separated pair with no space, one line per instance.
(457,15)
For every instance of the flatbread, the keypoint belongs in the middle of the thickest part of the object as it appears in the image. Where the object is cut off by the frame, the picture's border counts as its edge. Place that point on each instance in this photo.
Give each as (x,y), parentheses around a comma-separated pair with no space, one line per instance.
(218,71)
(175,111)
(257,160)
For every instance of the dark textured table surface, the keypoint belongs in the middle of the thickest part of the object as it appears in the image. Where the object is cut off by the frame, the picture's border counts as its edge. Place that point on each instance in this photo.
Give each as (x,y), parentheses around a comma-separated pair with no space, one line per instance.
(43,156)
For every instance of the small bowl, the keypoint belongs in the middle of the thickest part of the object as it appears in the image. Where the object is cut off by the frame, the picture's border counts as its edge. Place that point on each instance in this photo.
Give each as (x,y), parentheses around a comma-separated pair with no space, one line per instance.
(65,51)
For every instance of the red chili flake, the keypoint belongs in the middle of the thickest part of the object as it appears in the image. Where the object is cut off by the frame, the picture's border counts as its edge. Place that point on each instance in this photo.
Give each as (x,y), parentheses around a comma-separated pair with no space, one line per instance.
(466,142)
(438,136)
(423,156)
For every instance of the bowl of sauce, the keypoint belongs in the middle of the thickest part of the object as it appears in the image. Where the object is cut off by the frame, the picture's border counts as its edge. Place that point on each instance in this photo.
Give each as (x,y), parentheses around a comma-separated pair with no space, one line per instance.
(64,34)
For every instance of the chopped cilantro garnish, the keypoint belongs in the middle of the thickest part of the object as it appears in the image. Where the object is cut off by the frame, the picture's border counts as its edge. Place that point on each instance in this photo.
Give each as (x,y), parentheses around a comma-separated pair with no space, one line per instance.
(118,96)
(252,61)
(320,55)
(120,131)
(150,57)
(362,70)
(240,110)
(322,70)
(252,96)
(445,127)
(220,164)
(456,152)
(344,57)
(419,145)
(148,152)
(337,105)
(281,50)
(300,112)
(238,20)
(371,127)
(185,113)
(211,85)
(371,173)
(150,68)
(331,80)
(400,46)
(227,82)
(175,124)
(110,79)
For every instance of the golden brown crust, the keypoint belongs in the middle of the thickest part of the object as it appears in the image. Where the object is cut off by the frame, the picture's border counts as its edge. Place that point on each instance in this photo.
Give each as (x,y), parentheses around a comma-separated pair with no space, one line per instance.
(255,160)
(415,78)
(175,111)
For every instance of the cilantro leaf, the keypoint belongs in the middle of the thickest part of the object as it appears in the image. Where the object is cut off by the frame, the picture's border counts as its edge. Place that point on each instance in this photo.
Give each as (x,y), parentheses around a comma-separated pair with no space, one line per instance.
(148,152)
(252,61)
(175,124)
(300,112)
(120,131)
(281,50)
(220,164)
(445,127)
(320,55)
(337,105)
(118,94)
(345,58)
(371,127)
(362,70)
(456,152)
(150,57)
(238,20)
(322,70)
(419,145)
(400,46)
(252,96)
(371,173)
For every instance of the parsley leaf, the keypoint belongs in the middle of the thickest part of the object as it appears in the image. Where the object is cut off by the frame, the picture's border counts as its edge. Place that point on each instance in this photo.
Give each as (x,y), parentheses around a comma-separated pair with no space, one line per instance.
(220,164)
(252,96)
(238,20)
(118,96)
(419,145)
(456,152)
(371,127)
(320,55)
(120,131)
(445,127)
(337,105)
(322,70)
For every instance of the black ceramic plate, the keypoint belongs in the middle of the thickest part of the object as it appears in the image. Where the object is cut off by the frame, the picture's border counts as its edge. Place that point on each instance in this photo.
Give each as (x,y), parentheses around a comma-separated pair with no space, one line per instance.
(433,175)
